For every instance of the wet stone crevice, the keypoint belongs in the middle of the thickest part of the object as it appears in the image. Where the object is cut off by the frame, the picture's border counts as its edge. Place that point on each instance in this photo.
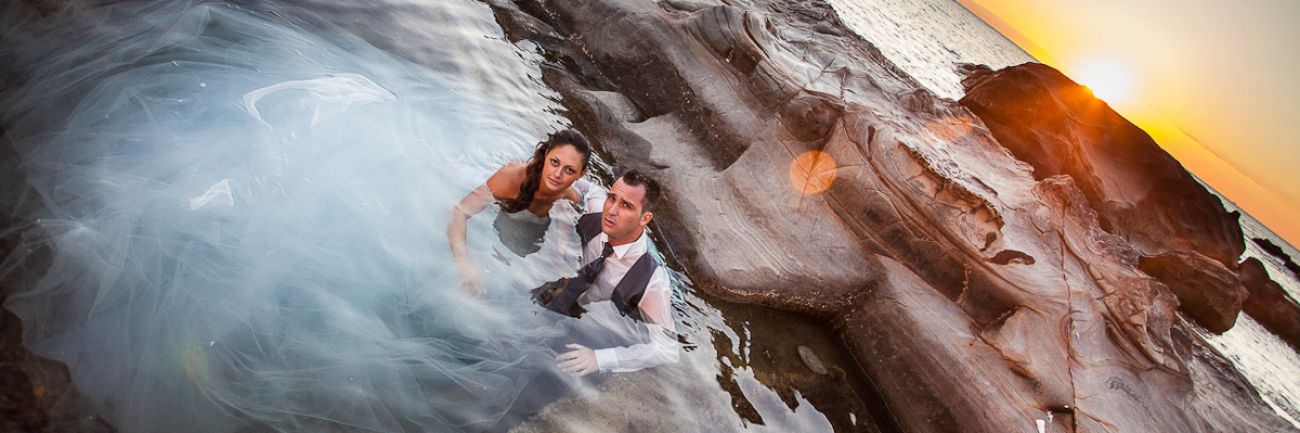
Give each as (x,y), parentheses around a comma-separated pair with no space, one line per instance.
(21,405)
(36,394)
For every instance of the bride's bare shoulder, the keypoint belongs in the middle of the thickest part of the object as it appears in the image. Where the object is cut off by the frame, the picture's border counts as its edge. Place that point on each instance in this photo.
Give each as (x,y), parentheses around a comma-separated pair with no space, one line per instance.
(507,179)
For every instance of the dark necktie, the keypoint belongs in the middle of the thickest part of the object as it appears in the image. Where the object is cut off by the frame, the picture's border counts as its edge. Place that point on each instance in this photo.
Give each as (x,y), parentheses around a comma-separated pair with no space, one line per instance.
(564,302)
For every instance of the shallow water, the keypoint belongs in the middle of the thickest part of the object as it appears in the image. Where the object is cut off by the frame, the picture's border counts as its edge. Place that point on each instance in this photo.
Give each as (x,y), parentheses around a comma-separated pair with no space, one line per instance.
(929,38)
(243,211)
(1270,364)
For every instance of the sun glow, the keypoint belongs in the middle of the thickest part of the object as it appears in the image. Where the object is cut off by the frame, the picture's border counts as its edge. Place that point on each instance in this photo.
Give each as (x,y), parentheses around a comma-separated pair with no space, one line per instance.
(1109,80)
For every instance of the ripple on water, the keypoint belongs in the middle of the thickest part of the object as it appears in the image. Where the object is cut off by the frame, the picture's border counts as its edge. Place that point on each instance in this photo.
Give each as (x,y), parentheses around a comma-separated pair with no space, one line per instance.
(927,39)
(1270,364)
(307,243)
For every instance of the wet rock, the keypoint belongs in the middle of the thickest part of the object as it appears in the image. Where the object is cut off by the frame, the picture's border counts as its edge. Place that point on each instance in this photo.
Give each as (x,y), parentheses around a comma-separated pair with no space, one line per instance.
(811,360)
(1269,304)
(972,74)
(1137,189)
(932,367)
(1277,251)
(980,289)
(1207,291)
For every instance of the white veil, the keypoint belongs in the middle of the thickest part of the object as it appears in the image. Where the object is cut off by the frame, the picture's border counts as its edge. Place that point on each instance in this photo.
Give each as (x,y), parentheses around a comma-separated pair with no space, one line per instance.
(244,225)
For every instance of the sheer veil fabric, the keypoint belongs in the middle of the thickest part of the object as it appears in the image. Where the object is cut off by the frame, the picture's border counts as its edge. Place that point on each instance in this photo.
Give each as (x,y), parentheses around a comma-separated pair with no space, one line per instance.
(244,227)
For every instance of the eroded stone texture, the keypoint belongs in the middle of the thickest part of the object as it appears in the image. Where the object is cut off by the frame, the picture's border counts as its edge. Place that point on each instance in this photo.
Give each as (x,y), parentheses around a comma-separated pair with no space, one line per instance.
(1138,190)
(980,289)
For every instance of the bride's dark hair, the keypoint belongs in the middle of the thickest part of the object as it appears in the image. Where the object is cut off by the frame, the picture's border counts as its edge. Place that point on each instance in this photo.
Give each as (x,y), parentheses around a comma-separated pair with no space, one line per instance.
(533,173)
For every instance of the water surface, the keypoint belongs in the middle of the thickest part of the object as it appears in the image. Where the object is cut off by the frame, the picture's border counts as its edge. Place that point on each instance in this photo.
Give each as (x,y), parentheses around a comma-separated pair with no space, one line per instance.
(243,209)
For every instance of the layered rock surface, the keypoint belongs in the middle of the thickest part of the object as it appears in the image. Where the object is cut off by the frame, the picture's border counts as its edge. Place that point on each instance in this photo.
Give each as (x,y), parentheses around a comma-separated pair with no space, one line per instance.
(1139,192)
(1187,239)
(978,288)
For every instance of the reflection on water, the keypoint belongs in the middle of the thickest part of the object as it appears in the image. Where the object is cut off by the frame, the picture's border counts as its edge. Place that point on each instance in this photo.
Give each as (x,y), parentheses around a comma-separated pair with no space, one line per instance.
(245,210)
(521,232)
(740,371)
(1270,364)
(1266,361)
(928,38)
(757,353)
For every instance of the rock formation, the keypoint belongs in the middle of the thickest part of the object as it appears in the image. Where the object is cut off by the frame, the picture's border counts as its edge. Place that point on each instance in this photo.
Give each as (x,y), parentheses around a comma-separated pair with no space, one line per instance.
(1139,192)
(1269,304)
(981,289)
(1208,291)
(1189,242)
(1277,251)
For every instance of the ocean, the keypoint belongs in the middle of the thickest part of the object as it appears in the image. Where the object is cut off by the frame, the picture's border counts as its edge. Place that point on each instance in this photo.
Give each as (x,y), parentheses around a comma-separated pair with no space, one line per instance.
(929,38)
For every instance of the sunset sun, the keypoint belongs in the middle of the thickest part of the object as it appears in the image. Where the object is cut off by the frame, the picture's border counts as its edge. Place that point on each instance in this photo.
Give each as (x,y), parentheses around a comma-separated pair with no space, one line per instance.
(1109,80)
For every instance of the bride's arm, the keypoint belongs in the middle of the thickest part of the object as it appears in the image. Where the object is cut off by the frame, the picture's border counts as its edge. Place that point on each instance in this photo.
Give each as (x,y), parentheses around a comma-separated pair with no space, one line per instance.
(587,195)
(473,203)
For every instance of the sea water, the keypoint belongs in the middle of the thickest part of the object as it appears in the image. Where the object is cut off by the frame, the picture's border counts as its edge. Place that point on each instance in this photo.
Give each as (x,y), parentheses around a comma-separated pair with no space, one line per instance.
(232,217)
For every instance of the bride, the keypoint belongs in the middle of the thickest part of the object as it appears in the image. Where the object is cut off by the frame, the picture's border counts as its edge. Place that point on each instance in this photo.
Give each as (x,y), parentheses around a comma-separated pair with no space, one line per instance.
(526,192)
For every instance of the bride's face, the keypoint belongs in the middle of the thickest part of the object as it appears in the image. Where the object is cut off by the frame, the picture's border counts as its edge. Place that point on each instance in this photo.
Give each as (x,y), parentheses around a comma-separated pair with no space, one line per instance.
(563,166)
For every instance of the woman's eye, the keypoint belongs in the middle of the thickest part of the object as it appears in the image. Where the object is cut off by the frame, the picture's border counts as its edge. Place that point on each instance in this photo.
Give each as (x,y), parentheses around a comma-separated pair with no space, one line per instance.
(555,161)
(568,170)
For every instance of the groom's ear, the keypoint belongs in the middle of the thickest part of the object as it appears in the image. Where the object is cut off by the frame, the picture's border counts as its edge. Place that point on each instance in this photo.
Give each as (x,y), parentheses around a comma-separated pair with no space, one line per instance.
(646,217)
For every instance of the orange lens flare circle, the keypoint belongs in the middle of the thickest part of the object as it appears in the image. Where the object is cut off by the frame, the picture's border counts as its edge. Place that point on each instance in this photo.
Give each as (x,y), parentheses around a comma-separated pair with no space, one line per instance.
(812,172)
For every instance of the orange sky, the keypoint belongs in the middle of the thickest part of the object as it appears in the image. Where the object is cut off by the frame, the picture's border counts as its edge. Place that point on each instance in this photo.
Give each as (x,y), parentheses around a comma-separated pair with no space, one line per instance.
(1214,83)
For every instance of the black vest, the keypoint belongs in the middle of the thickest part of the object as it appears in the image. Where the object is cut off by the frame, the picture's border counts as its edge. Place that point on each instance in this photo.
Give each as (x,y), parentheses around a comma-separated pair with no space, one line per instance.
(627,294)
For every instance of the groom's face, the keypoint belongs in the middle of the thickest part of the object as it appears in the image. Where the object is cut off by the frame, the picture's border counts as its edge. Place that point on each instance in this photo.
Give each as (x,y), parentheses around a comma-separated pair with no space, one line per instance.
(623,217)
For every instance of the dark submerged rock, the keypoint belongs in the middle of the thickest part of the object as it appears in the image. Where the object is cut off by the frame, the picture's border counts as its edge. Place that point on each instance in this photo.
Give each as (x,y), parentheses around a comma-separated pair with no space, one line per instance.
(1269,304)
(980,290)
(1207,291)
(1277,251)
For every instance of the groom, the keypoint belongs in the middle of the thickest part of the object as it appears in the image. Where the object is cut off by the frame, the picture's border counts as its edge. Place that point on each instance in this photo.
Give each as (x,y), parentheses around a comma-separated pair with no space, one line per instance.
(619,277)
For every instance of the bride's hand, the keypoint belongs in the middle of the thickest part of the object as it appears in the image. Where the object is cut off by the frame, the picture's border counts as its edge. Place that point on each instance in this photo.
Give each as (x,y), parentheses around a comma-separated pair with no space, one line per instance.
(471,279)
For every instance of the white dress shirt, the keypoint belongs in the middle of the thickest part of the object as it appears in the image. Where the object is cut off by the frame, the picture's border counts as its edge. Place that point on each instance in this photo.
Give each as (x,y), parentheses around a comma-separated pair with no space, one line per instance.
(658,333)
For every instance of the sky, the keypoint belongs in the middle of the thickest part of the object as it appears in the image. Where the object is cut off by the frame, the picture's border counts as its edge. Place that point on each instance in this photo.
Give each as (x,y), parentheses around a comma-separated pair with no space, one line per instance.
(1215,83)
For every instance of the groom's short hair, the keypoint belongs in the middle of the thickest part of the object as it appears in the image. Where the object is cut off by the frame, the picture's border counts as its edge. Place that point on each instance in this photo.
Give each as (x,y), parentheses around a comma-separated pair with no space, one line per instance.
(653,193)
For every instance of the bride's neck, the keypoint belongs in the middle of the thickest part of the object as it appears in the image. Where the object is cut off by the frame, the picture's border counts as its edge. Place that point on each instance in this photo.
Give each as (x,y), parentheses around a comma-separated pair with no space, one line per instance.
(542,197)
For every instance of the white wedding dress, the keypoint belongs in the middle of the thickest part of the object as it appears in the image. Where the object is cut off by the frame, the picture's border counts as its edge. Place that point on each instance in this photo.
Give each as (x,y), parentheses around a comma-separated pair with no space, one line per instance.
(244,226)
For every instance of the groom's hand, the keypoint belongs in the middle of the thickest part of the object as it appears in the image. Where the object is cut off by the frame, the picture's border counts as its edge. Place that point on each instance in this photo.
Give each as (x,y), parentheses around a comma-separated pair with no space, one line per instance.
(579,360)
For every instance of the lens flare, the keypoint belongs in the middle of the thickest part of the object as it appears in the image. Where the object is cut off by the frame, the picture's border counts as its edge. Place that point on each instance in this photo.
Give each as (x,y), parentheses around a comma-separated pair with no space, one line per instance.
(812,172)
